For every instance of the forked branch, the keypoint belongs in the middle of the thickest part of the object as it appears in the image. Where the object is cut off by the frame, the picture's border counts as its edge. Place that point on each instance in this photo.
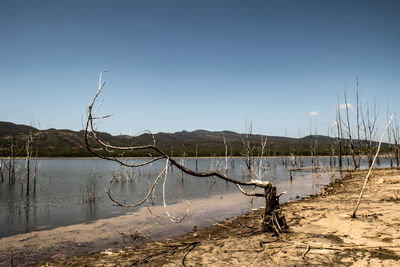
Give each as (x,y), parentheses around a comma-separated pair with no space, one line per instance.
(114,153)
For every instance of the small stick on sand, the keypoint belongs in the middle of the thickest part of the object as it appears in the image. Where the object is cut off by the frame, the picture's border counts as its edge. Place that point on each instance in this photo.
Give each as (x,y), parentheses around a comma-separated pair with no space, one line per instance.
(192,246)
(305,252)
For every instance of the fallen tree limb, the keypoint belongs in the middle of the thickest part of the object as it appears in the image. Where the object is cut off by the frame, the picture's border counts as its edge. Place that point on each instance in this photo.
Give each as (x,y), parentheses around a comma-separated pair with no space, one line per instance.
(370,169)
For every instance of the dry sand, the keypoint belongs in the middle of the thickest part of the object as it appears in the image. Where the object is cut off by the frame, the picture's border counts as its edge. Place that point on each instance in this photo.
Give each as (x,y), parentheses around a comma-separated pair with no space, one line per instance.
(321,232)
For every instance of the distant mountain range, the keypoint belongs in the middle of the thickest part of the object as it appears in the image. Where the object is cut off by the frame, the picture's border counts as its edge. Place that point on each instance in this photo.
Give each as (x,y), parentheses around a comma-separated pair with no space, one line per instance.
(68,143)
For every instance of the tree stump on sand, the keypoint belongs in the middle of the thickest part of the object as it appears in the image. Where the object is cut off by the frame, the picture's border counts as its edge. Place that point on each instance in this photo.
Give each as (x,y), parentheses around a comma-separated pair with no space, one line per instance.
(273,218)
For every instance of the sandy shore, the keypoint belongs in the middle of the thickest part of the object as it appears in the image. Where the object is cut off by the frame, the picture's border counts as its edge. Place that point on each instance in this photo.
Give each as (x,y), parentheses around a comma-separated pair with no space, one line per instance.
(321,232)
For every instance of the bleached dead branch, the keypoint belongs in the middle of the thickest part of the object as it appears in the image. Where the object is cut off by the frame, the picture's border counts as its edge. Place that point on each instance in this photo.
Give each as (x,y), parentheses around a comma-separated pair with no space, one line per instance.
(273,218)
(370,168)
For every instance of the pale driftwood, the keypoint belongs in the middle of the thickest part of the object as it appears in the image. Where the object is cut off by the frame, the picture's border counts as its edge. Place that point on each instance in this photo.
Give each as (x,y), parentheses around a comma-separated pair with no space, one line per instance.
(370,169)
(273,218)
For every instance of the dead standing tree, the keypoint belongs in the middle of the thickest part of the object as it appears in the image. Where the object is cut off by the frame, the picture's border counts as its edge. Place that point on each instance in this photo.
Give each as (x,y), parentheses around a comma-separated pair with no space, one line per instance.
(10,164)
(28,148)
(2,167)
(249,147)
(29,152)
(273,219)
(369,128)
(395,132)
(348,132)
(358,125)
(339,133)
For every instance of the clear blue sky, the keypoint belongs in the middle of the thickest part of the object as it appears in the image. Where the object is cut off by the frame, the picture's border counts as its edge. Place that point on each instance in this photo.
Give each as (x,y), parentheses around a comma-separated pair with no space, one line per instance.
(186,65)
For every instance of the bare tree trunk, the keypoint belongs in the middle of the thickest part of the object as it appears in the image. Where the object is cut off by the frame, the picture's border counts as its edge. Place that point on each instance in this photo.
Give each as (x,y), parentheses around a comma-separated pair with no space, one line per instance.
(316,149)
(226,155)
(330,150)
(182,174)
(36,163)
(390,152)
(28,176)
(395,131)
(11,165)
(196,160)
(339,132)
(28,148)
(348,131)
(2,170)
(273,220)
(249,147)
(358,125)
(369,128)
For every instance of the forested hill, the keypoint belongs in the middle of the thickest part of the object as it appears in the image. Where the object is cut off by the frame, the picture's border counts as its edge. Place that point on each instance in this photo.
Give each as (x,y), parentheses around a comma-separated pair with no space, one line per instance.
(67,143)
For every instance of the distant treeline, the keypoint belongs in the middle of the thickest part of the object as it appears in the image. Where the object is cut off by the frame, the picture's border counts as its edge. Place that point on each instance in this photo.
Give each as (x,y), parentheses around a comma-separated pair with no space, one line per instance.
(67,143)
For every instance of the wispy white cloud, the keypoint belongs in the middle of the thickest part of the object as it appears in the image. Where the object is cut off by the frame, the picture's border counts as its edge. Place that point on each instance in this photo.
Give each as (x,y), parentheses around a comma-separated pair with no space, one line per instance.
(343,106)
(313,113)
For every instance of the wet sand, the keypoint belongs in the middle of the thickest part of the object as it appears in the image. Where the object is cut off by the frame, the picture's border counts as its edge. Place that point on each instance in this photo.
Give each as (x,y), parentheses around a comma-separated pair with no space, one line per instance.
(321,232)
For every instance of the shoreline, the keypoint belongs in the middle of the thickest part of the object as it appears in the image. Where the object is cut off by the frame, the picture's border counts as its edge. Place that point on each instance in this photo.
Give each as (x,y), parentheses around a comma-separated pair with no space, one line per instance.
(240,230)
(300,186)
(321,232)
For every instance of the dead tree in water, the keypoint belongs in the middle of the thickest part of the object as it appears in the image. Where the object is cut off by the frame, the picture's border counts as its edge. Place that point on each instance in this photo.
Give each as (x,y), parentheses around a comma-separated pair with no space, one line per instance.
(29,152)
(348,132)
(273,219)
(339,133)
(28,148)
(358,124)
(35,170)
(369,128)
(249,146)
(395,132)
(226,155)
(197,158)
(11,164)
(2,167)
(389,136)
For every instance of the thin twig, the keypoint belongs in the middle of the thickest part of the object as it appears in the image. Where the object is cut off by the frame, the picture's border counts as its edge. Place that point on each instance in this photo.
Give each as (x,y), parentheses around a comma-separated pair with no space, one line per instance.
(171,218)
(258,253)
(305,252)
(192,246)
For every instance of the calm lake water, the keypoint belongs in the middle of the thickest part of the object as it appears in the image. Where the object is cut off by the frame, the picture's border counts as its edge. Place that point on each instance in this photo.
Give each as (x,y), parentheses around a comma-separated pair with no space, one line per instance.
(61,195)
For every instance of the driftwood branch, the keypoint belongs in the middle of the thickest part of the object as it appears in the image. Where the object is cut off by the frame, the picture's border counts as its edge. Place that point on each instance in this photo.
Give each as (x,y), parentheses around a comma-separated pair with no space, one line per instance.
(370,169)
(109,152)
